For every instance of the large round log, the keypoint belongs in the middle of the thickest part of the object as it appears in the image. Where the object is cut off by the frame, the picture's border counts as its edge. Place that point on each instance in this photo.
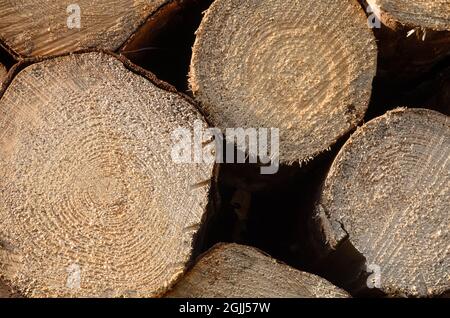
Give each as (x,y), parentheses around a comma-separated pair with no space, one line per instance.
(387,194)
(92,202)
(305,67)
(36,28)
(237,271)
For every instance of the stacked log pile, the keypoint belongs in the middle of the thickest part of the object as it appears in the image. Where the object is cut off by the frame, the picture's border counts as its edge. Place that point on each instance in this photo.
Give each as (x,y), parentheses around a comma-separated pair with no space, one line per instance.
(96,95)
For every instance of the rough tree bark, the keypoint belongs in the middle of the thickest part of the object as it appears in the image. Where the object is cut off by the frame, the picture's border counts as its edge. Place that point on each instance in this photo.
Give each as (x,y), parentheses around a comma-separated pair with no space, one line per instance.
(92,203)
(235,271)
(34,28)
(307,71)
(413,37)
(387,194)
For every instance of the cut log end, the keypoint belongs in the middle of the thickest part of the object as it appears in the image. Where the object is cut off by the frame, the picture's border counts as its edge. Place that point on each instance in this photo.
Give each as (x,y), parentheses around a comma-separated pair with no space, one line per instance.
(388,192)
(236,271)
(32,29)
(92,203)
(413,36)
(427,14)
(256,64)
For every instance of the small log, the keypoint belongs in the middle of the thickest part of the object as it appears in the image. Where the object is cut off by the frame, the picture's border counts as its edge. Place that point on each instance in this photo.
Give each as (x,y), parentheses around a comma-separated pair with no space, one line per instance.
(92,203)
(413,36)
(306,70)
(33,28)
(386,199)
(238,271)
(427,14)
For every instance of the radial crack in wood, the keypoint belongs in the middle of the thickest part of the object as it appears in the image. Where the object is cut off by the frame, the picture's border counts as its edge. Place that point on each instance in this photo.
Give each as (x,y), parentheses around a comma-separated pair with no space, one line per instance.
(237,271)
(37,28)
(388,192)
(92,203)
(306,70)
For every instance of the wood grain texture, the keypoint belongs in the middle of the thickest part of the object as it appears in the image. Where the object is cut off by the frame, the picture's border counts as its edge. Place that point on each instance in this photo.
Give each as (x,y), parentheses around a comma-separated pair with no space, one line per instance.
(39,28)
(306,70)
(412,38)
(237,271)
(428,14)
(3,73)
(92,203)
(6,292)
(387,192)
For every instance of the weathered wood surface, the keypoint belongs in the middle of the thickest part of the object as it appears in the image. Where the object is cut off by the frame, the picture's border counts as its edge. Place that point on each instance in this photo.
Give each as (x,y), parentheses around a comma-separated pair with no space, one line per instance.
(412,36)
(92,203)
(307,71)
(426,14)
(40,28)
(235,271)
(3,73)
(387,193)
